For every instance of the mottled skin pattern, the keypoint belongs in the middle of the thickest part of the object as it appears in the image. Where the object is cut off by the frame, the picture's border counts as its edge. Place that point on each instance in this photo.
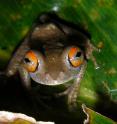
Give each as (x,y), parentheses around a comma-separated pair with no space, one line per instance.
(50,36)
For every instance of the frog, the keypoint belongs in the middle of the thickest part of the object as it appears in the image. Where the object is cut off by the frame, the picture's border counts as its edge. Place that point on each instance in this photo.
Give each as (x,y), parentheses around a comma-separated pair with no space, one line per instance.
(54,53)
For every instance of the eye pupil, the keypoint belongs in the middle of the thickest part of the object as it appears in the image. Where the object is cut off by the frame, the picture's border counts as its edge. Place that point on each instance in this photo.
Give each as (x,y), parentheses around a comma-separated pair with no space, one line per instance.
(26,60)
(78,54)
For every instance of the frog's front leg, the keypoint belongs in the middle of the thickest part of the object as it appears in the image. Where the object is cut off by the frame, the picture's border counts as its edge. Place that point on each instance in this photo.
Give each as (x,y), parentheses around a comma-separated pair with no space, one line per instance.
(26,81)
(72,91)
(25,77)
(14,62)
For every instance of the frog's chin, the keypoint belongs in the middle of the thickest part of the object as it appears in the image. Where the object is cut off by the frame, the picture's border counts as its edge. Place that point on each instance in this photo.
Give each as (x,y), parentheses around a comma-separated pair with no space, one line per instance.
(48,80)
(57,82)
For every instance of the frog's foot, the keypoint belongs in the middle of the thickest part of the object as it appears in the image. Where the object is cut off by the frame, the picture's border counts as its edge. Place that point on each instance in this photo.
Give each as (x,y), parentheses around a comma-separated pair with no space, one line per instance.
(95,62)
(89,53)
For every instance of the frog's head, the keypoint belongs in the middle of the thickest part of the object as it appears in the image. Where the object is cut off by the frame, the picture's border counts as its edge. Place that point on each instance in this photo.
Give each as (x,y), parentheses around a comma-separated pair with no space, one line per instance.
(57,53)
(53,55)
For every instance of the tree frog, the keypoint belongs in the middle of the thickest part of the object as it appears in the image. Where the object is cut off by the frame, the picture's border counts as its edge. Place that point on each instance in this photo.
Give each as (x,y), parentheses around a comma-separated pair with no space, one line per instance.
(53,54)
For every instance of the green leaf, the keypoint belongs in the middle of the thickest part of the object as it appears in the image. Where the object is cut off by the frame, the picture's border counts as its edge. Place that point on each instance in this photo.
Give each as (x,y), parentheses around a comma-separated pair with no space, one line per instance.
(98,16)
(95,118)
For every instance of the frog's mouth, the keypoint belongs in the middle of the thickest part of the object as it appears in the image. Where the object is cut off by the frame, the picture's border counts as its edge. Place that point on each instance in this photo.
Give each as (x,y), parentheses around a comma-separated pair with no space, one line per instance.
(46,79)
(48,87)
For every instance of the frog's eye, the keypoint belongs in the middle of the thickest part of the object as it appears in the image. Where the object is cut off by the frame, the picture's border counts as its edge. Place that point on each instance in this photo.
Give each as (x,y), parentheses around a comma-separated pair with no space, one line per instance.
(75,56)
(30,61)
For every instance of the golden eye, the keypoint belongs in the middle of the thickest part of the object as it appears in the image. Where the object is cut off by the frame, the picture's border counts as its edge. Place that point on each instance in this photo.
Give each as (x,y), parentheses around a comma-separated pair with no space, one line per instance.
(75,56)
(30,61)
